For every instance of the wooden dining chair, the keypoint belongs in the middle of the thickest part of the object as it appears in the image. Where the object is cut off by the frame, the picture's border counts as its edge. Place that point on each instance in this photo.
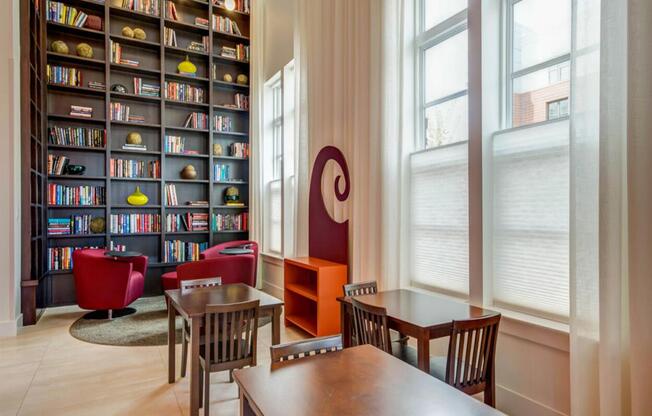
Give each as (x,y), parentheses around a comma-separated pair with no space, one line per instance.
(188,286)
(370,323)
(230,341)
(470,363)
(305,348)
(369,288)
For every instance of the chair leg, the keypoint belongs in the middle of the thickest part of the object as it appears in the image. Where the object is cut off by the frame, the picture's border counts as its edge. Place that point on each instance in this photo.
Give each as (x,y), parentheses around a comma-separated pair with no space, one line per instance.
(184,352)
(201,385)
(207,392)
(490,394)
(230,376)
(110,314)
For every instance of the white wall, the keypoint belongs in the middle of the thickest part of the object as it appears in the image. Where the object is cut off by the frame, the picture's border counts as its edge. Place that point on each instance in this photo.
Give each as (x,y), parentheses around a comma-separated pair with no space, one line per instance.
(10,316)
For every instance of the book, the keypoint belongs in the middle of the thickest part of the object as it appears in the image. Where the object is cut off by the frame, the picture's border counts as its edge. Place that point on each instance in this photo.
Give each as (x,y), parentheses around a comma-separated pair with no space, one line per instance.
(196,203)
(80,195)
(222,123)
(140,147)
(230,222)
(146,89)
(65,15)
(182,251)
(96,85)
(169,37)
(57,164)
(201,22)
(77,136)
(171,11)
(184,92)
(126,168)
(62,75)
(196,121)
(242,6)
(81,111)
(150,7)
(226,25)
(135,223)
(171,195)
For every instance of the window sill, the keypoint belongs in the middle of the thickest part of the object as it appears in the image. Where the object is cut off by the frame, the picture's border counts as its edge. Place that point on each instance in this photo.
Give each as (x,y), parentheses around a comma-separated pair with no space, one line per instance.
(272,258)
(528,327)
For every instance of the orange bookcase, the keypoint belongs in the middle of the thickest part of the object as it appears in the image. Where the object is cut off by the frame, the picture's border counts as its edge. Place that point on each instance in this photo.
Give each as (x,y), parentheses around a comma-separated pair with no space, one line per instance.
(312,286)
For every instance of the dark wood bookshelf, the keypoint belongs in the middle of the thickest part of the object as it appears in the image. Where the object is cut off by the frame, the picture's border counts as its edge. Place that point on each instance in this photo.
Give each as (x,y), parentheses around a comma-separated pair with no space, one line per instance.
(163,117)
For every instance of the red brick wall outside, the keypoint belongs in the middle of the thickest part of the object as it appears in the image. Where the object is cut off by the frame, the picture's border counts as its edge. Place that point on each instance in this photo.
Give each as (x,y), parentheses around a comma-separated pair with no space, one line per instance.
(531,107)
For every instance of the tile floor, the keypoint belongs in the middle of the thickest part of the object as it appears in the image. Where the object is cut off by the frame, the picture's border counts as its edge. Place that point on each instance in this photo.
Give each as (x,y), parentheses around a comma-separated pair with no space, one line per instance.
(45,371)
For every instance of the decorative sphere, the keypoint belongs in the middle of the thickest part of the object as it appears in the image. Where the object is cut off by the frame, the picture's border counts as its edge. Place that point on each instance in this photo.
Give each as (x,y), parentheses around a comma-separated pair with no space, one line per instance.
(242,79)
(98,225)
(140,34)
(228,77)
(119,88)
(127,32)
(84,50)
(189,172)
(217,149)
(134,138)
(59,46)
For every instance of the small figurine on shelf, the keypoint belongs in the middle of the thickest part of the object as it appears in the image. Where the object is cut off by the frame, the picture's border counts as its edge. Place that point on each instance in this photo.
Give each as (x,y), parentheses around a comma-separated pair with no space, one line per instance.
(75,169)
(186,67)
(59,46)
(98,225)
(217,149)
(137,198)
(232,197)
(188,172)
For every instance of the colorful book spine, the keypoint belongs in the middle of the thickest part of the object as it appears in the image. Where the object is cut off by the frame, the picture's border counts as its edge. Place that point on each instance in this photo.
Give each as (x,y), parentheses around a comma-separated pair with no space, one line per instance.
(171,195)
(175,144)
(81,195)
(65,15)
(184,92)
(57,164)
(63,75)
(121,168)
(225,25)
(239,150)
(77,136)
(241,101)
(230,222)
(196,121)
(74,225)
(222,123)
(191,221)
(135,223)
(182,251)
(150,7)
(222,173)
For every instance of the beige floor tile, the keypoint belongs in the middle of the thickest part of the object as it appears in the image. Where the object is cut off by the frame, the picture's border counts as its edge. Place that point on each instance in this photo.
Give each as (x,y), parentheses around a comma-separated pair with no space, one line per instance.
(14,383)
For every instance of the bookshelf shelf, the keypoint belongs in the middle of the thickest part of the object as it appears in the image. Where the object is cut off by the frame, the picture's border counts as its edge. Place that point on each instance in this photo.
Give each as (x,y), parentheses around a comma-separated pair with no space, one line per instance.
(163,117)
(227,11)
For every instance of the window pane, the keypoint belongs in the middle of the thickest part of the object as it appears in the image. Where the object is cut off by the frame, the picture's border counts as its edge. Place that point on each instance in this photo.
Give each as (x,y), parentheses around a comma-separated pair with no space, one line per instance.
(447,122)
(533,92)
(436,11)
(445,70)
(541,31)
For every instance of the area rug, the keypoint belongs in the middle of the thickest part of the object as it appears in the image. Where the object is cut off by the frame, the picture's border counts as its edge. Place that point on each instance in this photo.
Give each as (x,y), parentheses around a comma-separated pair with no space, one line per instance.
(147,327)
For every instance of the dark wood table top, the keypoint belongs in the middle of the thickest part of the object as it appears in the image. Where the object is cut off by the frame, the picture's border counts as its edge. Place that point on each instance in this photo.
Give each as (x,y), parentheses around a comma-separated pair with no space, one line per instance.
(193,304)
(355,381)
(419,309)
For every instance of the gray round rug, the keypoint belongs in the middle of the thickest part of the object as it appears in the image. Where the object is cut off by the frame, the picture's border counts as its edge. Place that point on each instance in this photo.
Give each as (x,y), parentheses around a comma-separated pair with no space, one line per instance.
(147,327)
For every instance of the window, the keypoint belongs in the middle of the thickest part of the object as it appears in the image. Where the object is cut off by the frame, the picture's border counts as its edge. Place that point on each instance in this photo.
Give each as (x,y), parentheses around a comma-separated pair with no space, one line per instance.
(439,225)
(538,58)
(558,109)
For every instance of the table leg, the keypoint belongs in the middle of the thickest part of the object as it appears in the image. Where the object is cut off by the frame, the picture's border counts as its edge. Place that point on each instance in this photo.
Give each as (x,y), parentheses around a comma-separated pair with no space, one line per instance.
(345,325)
(194,366)
(172,342)
(245,407)
(423,352)
(276,326)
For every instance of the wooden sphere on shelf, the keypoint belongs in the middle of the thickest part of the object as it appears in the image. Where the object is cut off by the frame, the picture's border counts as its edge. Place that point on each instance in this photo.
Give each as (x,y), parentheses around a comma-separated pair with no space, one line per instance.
(59,46)
(227,77)
(84,50)
(134,138)
(242,79)
(127,32)
(189,172)
(140,34)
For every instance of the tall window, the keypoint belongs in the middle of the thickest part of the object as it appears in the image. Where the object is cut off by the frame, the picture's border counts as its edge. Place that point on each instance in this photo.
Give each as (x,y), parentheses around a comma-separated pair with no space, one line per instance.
(538,60)
(439,226)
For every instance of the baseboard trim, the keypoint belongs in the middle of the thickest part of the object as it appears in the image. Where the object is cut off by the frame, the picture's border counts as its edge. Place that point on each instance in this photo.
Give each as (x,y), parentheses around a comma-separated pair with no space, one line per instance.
(514,403)
(273,290)
(10,328)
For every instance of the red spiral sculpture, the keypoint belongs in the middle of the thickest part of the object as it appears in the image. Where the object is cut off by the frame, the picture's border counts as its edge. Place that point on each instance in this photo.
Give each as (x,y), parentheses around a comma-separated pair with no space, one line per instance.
(327,238)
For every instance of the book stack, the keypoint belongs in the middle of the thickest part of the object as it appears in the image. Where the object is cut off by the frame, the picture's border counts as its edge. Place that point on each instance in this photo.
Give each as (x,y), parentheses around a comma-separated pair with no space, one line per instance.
(66,15)
(135,223)
(60,258)
(229,52)
(242,6)
(81,195)
(222,123)
(230,222)
(171,11)
(77,136)
(199,46)
(241,101)
(242,52)
(119,168)
(57,164)
(197,203)
(150,7)
(96,85)
(75,225)
(222,173)
(171,195)
(191,221)
(81,111)
(59,226)
(239,150)
(196,121)
(225,25)
(121,112)
(117,58)
(235,204)
(169,37)
(181,251)
(175,144)
(62,75)
(201,22)
(184,92)
(137,147)
(146,89)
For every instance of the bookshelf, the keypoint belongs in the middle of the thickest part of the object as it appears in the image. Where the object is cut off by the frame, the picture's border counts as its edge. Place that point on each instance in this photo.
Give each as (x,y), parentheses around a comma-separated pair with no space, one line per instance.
(154,118)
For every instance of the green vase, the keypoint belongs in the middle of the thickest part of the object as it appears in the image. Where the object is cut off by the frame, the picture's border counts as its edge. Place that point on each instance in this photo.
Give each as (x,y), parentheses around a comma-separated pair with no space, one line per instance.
(137,198)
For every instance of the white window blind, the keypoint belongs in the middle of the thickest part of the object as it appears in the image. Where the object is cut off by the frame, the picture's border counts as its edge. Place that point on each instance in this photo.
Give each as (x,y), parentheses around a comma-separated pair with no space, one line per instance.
(531,217)
(274,207)
(439,218)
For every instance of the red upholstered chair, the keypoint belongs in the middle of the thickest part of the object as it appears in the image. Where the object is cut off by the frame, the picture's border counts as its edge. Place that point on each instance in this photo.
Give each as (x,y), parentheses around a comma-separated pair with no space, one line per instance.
(232,269)
(103,283)
(170,280)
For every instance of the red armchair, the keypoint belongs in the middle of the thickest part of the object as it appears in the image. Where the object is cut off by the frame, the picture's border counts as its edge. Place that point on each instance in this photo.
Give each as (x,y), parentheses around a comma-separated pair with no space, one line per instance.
(170,279)
(103,283)
(232,269)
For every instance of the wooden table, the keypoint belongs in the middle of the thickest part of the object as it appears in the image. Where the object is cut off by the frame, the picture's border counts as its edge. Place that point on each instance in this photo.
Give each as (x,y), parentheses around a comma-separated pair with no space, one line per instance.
(192,306)
(418,315)
(361,380)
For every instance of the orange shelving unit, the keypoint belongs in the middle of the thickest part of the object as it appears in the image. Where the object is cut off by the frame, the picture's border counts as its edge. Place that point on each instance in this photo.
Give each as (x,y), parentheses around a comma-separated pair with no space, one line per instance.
(312,286)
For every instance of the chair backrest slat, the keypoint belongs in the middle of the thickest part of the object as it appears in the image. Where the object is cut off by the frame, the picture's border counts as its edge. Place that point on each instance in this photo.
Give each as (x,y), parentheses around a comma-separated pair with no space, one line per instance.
(371,325)
(362,288)
(199,284)
(471,353)
(233,329)
(306,348)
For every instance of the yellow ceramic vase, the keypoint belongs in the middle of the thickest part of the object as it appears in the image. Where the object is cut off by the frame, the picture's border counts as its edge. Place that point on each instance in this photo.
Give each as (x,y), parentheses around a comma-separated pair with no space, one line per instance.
(137,198)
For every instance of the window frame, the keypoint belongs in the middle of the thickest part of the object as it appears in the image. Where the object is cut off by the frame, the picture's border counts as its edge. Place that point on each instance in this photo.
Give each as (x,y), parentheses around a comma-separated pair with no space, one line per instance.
(273,105)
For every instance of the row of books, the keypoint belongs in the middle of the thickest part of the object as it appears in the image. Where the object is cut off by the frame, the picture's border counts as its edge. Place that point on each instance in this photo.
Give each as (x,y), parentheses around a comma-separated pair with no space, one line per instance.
(146,89)
(64,14)
(175,144)
(184,92)
(75,225)
(60,258)
(57,164)
(171,11)
(81,195)
(135,223)
(239,150)
(171,198)
(222,172)
(150,7)
(242,6)
(191,221)
(225,25)
(241,101)
(182,251)
(63,75)
(196,120)
(222,123)
(116,55)
(169,37)
(77,136)
(240,52)
(81,111)
(122,112)
(230,222)
(121,168)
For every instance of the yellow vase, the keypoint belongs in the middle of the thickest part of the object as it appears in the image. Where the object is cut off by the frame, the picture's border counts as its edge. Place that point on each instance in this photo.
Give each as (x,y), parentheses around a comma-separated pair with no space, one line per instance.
(137,198)
(187,67)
